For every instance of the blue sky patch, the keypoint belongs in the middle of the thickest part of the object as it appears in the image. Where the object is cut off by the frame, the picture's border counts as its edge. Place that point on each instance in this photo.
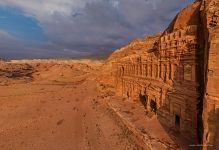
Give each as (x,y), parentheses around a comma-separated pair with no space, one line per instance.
(17,24)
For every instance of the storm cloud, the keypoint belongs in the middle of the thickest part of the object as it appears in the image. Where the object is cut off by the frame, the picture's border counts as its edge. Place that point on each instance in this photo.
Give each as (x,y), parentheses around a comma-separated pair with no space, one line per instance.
(75,28)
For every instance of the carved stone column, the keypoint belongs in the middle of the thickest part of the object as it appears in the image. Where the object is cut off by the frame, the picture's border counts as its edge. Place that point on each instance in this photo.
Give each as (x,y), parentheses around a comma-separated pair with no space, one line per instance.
(146,70)
(181,72)
(143,70)
(149,66)
(158,70)
(168,72)
(163,97)
(149,102)
(173,71)
(194,72)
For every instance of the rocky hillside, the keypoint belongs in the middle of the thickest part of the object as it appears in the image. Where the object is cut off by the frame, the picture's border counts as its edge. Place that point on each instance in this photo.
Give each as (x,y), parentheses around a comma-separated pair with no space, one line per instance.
(135,47)
(204,14)
(46,69)
(140,46)
(188,16)
(11,70)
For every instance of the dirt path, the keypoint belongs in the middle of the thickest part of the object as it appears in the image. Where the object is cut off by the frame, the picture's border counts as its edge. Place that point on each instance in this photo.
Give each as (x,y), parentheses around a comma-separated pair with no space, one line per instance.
(55,115)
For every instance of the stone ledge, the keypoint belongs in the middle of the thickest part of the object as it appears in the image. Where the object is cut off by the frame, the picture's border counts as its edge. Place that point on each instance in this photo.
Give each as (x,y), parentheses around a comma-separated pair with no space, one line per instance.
(141,137)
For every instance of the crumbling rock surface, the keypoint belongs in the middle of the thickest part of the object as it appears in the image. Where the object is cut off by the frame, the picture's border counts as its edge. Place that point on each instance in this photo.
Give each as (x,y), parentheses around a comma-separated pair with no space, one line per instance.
(11,70)
(188,16)
(176,73)
(135,48)
(210,20)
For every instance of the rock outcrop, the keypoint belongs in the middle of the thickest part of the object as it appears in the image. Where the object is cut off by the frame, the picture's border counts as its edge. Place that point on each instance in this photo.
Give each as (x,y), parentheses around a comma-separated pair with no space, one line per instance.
(210,23)
(12,70)
(175,74)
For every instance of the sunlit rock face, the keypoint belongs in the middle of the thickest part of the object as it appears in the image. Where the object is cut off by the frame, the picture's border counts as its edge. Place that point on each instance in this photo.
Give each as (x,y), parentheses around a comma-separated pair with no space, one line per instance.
(210,21)
(176,73)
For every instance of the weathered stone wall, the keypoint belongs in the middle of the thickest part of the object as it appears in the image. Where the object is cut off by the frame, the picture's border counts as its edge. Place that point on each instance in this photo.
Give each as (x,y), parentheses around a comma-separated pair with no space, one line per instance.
(210,18)
(176,74)
(165,75)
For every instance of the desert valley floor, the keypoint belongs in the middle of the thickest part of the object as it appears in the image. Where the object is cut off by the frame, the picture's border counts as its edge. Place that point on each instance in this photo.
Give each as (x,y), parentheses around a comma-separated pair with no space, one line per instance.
(57,108)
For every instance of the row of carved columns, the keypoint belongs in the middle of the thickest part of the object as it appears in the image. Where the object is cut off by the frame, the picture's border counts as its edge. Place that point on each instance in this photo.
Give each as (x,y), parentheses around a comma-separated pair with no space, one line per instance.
(165,71)
(133,90)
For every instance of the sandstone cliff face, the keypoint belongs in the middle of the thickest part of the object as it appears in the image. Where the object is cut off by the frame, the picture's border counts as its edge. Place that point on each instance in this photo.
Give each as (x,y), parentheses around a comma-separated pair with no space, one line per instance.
(210,20)
(176,72)
(188,16)
(135,48)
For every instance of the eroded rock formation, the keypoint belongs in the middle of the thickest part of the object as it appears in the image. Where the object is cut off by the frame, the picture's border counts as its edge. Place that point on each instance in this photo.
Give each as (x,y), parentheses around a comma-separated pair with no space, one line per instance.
(175,74)
(210,20)
(12,70)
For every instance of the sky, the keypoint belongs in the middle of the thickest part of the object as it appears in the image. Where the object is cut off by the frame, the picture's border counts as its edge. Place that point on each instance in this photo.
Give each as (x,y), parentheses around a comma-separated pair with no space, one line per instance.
(78,28)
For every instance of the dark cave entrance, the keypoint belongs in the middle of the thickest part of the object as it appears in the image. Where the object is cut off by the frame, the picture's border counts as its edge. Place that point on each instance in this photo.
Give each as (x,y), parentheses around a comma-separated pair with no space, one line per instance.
(143,100)
(153,106)
(177,121)
(128,94)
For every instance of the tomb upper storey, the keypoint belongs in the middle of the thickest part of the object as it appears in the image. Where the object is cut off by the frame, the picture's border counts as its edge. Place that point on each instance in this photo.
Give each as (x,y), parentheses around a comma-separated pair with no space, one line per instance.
(179,38)
(180,33)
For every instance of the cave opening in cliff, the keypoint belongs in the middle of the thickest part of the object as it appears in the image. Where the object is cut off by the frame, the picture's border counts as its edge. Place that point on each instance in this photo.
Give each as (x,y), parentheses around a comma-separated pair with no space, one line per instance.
(128,94)
(153,106)
(177,121)
(143,100)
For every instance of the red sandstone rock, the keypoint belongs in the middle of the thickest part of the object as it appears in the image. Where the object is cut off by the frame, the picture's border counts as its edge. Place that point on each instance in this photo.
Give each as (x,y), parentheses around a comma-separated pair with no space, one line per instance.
(15,70)
(176,73)
(210,21)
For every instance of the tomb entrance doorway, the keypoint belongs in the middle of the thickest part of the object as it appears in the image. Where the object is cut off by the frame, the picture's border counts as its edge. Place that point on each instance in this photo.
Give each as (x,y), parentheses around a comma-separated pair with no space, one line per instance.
(153,106)
(143,100)
(177,122)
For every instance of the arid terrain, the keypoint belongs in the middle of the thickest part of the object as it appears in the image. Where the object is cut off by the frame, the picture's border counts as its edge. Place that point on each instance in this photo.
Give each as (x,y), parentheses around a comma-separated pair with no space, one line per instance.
(159,92)
(55,105)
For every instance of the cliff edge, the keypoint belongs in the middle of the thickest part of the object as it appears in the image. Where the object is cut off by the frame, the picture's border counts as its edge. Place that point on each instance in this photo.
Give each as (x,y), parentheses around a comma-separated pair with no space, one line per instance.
(177,71)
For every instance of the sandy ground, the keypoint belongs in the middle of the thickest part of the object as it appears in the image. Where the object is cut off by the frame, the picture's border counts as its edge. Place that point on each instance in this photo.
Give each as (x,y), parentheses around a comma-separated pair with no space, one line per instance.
(59,108)
(148,126)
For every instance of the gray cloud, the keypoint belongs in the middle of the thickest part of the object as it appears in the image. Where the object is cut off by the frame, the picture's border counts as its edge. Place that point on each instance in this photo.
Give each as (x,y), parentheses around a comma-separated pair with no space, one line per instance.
(85,27)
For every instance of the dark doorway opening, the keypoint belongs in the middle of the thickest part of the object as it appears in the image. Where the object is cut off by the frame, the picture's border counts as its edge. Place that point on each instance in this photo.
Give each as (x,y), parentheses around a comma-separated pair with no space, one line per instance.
(143,100)
(128,94)
(177,120)
(153,105)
